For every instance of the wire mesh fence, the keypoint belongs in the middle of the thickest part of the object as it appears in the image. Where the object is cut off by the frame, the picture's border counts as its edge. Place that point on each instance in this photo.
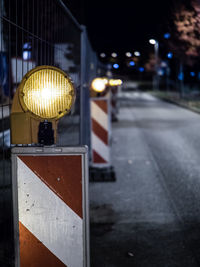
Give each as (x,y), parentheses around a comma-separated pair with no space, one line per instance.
(33,33)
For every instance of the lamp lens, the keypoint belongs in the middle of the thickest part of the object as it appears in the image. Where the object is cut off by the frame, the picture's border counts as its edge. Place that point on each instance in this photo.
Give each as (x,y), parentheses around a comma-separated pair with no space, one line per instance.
(99,84)
(48,93)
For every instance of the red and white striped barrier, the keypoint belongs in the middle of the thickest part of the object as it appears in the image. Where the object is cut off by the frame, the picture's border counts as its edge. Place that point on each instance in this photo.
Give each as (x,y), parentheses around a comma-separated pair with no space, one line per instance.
(100,132)
(52,207)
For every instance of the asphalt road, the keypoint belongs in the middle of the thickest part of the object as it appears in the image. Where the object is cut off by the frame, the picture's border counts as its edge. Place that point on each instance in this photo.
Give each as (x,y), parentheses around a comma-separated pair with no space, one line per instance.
(149,217)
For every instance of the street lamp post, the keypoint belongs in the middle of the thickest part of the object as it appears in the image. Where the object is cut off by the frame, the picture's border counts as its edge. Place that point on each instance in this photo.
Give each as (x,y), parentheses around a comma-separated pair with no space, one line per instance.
(155,43)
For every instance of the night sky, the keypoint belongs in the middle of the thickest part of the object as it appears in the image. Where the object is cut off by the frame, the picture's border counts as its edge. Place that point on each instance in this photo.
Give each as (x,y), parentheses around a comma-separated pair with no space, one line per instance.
(123,25)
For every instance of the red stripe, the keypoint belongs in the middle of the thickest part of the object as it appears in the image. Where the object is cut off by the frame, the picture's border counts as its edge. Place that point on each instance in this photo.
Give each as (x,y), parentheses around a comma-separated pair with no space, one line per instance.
(100,131)
(62,174)
(97,158)
(103,104)
(33,253)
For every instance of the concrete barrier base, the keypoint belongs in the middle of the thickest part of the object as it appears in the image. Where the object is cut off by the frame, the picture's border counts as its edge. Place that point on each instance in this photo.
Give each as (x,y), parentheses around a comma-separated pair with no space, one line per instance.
(102,174)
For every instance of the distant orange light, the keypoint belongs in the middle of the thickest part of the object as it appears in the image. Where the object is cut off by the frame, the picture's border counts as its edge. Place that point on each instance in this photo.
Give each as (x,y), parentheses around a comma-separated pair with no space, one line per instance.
(99,84)
(115,82)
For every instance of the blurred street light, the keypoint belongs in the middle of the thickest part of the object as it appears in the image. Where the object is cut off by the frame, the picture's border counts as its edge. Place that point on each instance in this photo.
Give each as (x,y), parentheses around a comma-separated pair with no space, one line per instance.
(103,55)
(141,69)
(152,41)
(181,76)
(132,63)
(128,54)
(116,66)
(155,43)
(167,35)
(170,55)
(114,54)
(137,53)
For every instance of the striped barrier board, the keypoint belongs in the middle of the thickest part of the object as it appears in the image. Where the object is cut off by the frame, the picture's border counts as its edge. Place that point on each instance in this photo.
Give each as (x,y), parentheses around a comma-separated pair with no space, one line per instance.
(50,198)
(100,132)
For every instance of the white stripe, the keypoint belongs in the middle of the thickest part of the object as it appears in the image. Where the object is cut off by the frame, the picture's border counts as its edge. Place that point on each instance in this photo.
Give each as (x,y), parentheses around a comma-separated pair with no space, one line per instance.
(48,218)
(100,147)
(99,115)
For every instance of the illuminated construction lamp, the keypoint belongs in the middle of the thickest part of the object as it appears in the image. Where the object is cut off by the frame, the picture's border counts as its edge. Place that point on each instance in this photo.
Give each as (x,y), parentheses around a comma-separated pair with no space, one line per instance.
(99,84)
(114,82)
(44,95)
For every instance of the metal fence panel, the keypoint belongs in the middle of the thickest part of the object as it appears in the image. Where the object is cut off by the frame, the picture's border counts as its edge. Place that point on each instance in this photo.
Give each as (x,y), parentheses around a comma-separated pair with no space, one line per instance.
(88,73)
(32,33)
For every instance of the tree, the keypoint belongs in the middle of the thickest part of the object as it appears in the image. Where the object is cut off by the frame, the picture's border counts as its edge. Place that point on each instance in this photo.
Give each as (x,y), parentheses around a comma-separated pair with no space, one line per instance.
(185,42)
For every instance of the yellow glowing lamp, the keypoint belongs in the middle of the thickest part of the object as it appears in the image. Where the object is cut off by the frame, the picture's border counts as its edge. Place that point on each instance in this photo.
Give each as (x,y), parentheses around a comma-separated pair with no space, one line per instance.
(115,82)
(99,84)
(46,92)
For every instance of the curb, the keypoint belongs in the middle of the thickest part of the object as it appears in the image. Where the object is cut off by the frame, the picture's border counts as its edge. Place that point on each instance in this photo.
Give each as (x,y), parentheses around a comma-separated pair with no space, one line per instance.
(179,104)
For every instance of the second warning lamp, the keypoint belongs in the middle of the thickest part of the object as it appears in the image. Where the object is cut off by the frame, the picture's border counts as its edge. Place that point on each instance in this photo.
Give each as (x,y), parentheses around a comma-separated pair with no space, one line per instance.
(99,84)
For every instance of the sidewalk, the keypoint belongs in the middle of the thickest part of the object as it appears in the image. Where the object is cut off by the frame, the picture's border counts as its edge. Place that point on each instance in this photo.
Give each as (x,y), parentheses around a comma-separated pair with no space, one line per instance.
(189,101)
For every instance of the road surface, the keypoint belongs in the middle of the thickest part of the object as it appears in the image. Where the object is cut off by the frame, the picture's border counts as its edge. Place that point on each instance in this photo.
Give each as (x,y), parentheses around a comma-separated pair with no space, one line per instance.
(149,217)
